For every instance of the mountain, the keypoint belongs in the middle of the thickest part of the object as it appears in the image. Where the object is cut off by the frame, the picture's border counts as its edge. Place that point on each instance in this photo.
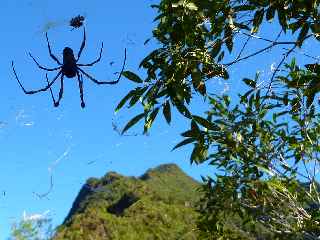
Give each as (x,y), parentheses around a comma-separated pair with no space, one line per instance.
(157,205)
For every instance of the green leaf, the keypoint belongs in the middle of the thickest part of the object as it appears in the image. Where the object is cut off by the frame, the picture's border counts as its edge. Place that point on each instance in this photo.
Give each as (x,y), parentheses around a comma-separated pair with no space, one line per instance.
(192,6)
(150,120)
(244,98)
(199,154)
(135,98)
(282,19)
(270,13)
(228,37)
(294,26)
(250,82)
(189,133)
(132,76)
(167,111)
(205,123)
(152,93)
(124,100)
(310,98)
(195,128)
(225,74)
(183,110)
(152,55)
(279,114)
(132,122)
(220,57)
(266,170)
(315,68)
(257,20)
(216,47)
(146,41)
(196,78)
(286,99)
(184,142)
(241,26)
(137,95)
(303,33)
(226,99)
(315,28)
(243,7)
(159,17)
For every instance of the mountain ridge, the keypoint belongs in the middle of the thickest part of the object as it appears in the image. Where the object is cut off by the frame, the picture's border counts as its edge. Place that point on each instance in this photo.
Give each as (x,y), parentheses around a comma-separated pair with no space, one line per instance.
(157,205)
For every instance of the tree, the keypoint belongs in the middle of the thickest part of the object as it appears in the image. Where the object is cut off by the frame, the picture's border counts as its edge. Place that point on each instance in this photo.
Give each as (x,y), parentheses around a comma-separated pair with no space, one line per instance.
(263,145)
(32,228)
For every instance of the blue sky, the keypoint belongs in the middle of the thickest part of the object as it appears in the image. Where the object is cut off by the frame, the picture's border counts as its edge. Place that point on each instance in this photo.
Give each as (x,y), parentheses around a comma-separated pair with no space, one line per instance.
(71,143)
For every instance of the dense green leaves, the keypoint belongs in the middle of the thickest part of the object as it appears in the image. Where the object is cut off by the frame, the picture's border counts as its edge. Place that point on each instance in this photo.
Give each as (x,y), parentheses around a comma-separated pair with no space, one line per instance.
(258,142)
(190,48)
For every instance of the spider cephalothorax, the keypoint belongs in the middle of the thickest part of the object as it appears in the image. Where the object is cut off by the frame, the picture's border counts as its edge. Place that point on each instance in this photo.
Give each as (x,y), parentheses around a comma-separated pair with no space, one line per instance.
(69,68)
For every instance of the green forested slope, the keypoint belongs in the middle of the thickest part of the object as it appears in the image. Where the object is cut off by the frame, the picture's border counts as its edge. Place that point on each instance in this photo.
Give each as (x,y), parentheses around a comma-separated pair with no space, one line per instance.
(158,205)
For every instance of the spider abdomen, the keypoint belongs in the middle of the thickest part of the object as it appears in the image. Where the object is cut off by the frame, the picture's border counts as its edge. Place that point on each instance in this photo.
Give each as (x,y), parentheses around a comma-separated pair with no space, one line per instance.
(69,67)
(69,71)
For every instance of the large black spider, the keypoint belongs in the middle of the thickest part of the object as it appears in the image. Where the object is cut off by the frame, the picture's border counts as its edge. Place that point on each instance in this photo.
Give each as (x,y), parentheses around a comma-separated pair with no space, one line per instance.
(70,68)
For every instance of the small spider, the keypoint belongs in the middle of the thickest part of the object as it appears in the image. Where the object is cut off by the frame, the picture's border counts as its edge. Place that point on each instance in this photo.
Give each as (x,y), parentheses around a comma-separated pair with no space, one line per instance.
(69,68)
(76,22)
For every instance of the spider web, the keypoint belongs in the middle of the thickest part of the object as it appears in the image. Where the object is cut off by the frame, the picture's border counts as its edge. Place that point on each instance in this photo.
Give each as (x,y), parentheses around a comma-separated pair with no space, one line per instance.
(51,20)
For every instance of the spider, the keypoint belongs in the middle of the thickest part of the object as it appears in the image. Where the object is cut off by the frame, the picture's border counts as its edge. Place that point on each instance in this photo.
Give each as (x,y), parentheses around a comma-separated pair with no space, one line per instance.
(69,68)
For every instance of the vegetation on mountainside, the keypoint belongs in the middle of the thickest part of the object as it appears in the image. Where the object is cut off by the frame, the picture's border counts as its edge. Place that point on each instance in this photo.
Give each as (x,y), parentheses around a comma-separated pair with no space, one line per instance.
(158,205)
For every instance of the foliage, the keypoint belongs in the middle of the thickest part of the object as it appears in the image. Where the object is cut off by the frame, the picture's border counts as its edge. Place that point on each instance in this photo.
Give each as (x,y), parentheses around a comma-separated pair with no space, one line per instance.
(158,205)
(194,37)
(262,156)
(264,146)
(32,229)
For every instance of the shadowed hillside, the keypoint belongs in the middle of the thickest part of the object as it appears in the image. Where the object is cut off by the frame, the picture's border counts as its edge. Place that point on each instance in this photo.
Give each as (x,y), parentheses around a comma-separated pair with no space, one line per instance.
(157,205)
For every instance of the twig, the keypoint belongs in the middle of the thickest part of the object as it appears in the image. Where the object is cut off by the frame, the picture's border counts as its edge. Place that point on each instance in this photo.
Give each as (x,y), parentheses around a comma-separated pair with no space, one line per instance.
(306,55)
(258,52)
(243,47)
(277,69)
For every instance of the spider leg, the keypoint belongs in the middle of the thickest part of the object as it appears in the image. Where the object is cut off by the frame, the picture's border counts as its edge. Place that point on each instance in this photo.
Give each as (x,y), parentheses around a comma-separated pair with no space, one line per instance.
(51,54)
(82,44)
(94,62)
(80,81)
(41,67)
(56,103)
(106,82)
(34,91)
